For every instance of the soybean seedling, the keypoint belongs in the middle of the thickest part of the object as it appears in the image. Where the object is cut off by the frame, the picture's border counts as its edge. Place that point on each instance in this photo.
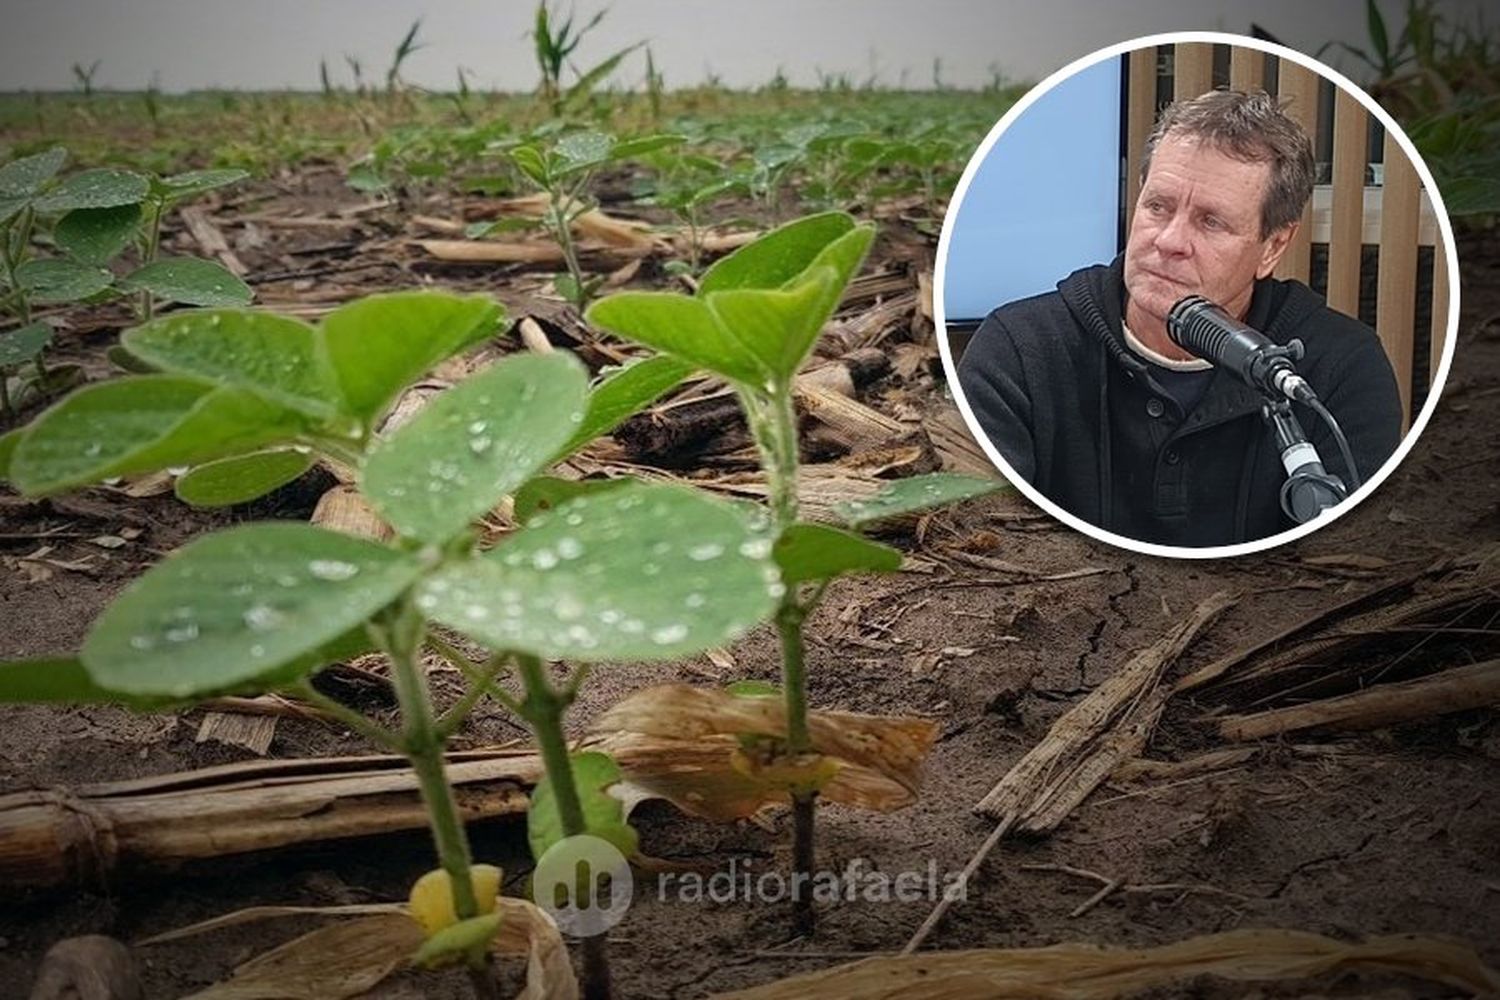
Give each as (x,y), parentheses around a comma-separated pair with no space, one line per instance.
(248,399)
(685,186)
(17,348)
(96,215)
(754,320)
(563,171)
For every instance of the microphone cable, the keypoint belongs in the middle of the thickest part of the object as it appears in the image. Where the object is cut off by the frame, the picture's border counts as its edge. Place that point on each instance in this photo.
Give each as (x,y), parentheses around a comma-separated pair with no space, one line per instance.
(1322,411)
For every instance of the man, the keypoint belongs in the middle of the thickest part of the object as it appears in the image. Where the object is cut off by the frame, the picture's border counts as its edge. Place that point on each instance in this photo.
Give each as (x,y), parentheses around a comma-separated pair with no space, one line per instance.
(1089,400)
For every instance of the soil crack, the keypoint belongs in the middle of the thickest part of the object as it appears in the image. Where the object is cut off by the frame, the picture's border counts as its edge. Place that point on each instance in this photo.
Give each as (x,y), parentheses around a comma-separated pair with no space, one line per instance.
(1096,634)
(1321,860)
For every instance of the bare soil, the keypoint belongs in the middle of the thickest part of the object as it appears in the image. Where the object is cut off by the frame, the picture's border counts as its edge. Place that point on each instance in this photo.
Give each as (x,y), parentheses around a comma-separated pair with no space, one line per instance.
(1397,831)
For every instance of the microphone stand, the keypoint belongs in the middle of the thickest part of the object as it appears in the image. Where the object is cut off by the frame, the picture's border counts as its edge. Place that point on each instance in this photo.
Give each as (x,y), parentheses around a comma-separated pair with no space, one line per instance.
(1309,489)
(1203,329)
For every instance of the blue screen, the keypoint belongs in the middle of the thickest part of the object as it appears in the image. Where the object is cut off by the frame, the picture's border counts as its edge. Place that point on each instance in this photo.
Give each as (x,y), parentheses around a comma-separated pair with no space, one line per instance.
(1044,202)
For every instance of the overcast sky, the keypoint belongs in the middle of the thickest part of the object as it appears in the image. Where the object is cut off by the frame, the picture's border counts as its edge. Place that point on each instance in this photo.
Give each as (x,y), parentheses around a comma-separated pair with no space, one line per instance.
(261,44)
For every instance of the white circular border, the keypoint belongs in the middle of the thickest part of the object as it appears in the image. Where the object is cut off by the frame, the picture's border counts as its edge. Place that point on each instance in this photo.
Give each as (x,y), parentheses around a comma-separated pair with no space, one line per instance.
(1445,228)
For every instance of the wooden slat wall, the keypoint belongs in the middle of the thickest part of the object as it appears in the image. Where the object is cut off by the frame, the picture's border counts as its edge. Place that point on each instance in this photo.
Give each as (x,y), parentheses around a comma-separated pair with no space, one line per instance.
(1439,310)
(1297,89)
(1349,158)
(1140,116)
(1247,69)
(1192,70)
(1396,289)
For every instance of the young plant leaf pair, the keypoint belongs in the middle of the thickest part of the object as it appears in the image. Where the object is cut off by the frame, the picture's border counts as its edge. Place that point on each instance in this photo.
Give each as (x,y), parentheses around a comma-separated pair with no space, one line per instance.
(101,212)
(230,384)
(563,170)
(260,605)
(580,152)
(753,321)
(758,311)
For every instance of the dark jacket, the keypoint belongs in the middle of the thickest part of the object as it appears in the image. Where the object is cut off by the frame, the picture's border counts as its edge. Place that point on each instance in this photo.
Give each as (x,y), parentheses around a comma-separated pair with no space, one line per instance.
(1084,419)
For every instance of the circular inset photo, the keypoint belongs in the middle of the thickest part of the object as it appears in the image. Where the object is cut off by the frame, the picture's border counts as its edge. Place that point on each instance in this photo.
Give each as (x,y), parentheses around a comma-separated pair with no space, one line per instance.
(1199,294)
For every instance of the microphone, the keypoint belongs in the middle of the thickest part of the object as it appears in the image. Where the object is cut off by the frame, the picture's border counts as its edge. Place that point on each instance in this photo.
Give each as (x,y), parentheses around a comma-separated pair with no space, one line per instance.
(1201,328)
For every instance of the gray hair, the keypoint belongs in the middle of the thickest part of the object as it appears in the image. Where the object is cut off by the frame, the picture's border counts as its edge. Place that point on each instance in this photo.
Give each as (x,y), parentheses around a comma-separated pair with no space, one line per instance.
(1249,127)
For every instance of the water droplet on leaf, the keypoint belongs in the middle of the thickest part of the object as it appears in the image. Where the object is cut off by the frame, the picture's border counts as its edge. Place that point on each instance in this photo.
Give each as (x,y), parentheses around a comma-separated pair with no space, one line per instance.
(332,569)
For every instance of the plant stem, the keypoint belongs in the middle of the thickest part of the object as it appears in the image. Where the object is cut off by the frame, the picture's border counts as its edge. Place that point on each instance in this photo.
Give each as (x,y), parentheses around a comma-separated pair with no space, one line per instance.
(695,241)
(480,682)
(153,243)
(563,223)
(17,239)
(475,674)
(422,742)
(774,423)
(543,711)
(338,451)
(789,619)
(348,717)
(423,745)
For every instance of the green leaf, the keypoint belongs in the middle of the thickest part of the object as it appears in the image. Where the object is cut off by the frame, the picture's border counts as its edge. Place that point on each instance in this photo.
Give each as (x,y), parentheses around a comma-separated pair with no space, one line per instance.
(777,257)
(366,177)
(105,187)
(275,356)
(97,235)
(457,941)
(642,572)
(8,442)
(916,493)
(11,207)
(815,552)
(53,280)
(683,327)
(784,324)
(582,151)
(141,424)
(241,478)
(63,680)
(622,393)
(381,343)
(195,182)
(546,492)
(779,326)
(124,360)
(56,380)
(532,163)
(770,304)
(21,345)
(641,145)
(238,606)
(568,287)
(189,280)
(24,177)
(474,444)
(603,814)
(587,81)
(843,256)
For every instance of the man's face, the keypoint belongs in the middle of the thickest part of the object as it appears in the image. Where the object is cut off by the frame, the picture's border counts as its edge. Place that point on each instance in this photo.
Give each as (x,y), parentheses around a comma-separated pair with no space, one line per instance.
(1196,230)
